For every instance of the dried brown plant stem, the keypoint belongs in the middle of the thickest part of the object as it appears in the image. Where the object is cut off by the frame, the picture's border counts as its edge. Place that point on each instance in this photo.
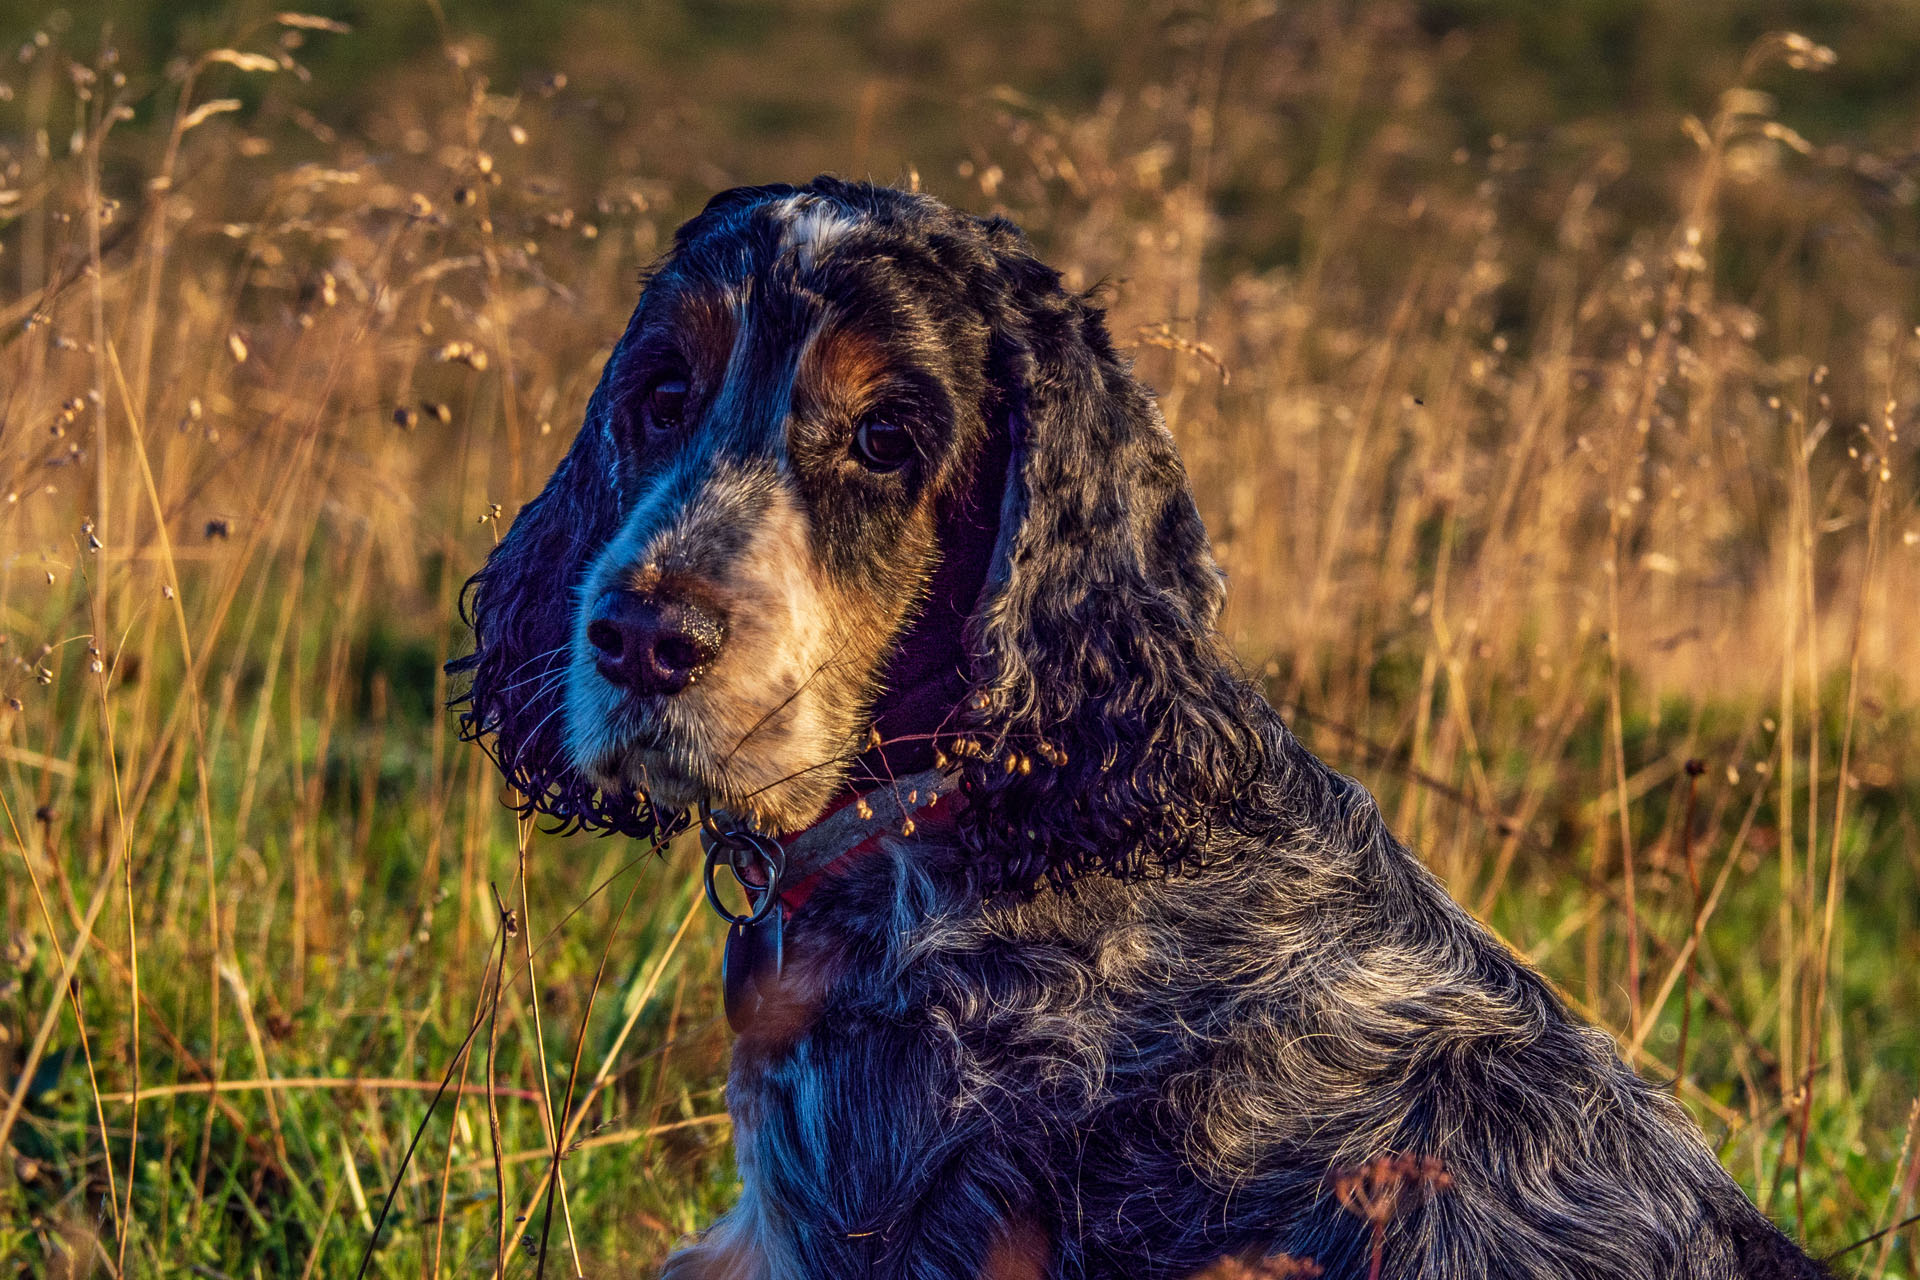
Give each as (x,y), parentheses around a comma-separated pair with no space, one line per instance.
(556,1177)
(439,782)
(79,1017)
(1626,462)
(297,1084)
(1618,758)
(103,116)
(1906,1180)
(1696,933)
(125,833)
(202,761)
(609,1138)
(1803,476)
(103,113)
(508,927)
(243,1005)
(301,848)
(573,1074)
(639,1004)
(320,1232)
(1876,503)
(270,670)
(1796,594)
(659,1092)
(1797,520)
(154,254)
(1694,769)
(463,1062)
(1540,780)
(69,965)
(488,986)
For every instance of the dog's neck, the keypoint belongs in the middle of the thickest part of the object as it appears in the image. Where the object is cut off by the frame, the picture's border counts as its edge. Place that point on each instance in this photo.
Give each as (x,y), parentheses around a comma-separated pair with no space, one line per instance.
(930,673)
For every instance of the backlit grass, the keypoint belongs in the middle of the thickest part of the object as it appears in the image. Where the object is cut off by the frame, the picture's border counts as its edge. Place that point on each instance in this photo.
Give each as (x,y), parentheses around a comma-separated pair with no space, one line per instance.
(1566,482)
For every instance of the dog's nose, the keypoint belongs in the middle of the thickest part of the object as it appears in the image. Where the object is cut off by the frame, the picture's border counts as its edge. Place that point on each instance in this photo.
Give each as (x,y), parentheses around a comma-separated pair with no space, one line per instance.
(651,646)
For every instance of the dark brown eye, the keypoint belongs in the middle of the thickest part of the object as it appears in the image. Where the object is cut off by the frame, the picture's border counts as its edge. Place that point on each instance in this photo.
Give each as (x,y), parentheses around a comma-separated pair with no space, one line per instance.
(883,446)
(664,406)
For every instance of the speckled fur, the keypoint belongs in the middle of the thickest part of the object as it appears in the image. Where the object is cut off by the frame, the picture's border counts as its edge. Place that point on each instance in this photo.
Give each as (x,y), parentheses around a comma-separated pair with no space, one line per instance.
(1131,1014)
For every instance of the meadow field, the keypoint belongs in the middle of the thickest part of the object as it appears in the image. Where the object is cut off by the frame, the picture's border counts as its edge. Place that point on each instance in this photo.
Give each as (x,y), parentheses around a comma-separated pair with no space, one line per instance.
(1548,374)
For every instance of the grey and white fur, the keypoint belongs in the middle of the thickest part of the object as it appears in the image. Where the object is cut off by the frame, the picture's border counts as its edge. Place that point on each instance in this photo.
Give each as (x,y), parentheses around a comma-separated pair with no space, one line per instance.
(1169,973)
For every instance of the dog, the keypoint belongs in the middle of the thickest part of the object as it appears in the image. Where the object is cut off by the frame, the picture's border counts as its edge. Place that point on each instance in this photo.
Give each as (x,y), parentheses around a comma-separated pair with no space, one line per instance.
(1064,957)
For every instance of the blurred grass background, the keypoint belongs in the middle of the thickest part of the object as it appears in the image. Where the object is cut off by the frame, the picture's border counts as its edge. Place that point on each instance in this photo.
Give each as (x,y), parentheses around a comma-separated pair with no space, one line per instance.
(1547,373)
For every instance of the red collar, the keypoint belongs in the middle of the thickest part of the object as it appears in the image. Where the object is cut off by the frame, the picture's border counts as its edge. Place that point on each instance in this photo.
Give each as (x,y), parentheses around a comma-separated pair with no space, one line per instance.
(856,827)
(853,828)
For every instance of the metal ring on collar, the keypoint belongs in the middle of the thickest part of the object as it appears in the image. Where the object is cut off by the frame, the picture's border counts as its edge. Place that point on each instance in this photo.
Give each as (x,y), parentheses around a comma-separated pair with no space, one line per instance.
(727,848)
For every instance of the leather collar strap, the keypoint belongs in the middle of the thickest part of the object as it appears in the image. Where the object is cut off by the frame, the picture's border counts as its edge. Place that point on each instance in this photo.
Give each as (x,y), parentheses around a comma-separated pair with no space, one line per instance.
(853,829)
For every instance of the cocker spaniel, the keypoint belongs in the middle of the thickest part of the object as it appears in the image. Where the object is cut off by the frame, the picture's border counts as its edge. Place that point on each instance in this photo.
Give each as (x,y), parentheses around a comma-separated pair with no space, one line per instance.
(1065,957)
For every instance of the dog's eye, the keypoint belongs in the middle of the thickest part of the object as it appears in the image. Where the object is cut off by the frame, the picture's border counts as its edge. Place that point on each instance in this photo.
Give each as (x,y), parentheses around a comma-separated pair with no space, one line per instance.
(883,446)
(664,406)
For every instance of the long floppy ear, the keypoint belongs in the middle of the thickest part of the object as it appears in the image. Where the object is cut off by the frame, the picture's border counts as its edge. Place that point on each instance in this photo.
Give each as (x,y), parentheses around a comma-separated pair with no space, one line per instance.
(1110,731)
(520,606)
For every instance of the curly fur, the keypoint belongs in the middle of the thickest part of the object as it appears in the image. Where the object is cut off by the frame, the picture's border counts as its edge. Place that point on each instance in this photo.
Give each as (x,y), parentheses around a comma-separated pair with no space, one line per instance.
(1170,972)
(519,608)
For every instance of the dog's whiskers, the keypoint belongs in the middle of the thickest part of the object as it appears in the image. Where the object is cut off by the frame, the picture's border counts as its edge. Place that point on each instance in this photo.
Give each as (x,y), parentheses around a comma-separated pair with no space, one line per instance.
(534,733)
(555,652)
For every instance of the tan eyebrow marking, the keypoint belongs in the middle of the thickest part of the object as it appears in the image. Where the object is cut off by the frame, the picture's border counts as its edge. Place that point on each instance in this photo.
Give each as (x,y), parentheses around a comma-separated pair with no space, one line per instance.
(841,368)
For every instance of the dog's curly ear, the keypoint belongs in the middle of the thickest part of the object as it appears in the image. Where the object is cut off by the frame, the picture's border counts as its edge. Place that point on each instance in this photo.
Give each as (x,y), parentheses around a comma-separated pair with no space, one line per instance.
(520,606)
(1109,729)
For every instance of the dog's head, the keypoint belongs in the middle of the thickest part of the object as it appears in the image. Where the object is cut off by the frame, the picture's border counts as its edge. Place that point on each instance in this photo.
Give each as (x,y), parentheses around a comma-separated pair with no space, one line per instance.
(861,469)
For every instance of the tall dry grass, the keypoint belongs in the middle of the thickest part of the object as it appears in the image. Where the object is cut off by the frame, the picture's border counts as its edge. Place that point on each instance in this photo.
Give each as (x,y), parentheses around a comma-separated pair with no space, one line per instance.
(1568,495)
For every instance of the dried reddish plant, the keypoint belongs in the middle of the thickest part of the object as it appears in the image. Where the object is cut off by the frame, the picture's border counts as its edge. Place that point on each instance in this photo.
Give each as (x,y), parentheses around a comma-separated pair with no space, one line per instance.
(1383,1188)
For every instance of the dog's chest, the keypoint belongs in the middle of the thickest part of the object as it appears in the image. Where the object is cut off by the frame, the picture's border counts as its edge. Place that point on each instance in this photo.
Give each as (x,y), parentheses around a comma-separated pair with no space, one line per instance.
(1053,1060)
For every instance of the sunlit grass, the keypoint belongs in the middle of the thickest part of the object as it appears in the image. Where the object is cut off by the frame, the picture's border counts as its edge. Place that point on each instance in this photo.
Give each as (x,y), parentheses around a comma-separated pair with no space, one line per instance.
(1531,500)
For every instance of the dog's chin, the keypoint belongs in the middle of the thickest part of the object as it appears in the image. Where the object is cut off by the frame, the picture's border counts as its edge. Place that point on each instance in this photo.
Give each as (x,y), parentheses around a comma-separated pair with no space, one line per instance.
(648,775)
(671,781)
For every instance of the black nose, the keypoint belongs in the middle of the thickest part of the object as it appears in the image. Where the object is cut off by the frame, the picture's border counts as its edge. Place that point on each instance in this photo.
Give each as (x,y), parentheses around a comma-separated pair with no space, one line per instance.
(651,646)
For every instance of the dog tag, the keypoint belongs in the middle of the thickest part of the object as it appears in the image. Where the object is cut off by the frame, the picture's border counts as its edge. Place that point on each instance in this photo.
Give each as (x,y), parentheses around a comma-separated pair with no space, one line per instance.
(752,961)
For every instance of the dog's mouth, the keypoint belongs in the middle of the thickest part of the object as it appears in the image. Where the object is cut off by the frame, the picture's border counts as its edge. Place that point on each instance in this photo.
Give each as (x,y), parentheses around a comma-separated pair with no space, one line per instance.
(650,775)
(671,780)
(646,754)
(636,756)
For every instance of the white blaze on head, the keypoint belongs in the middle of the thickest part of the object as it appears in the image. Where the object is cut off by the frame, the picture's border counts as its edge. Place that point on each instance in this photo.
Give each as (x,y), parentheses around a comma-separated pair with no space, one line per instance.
(812,225)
